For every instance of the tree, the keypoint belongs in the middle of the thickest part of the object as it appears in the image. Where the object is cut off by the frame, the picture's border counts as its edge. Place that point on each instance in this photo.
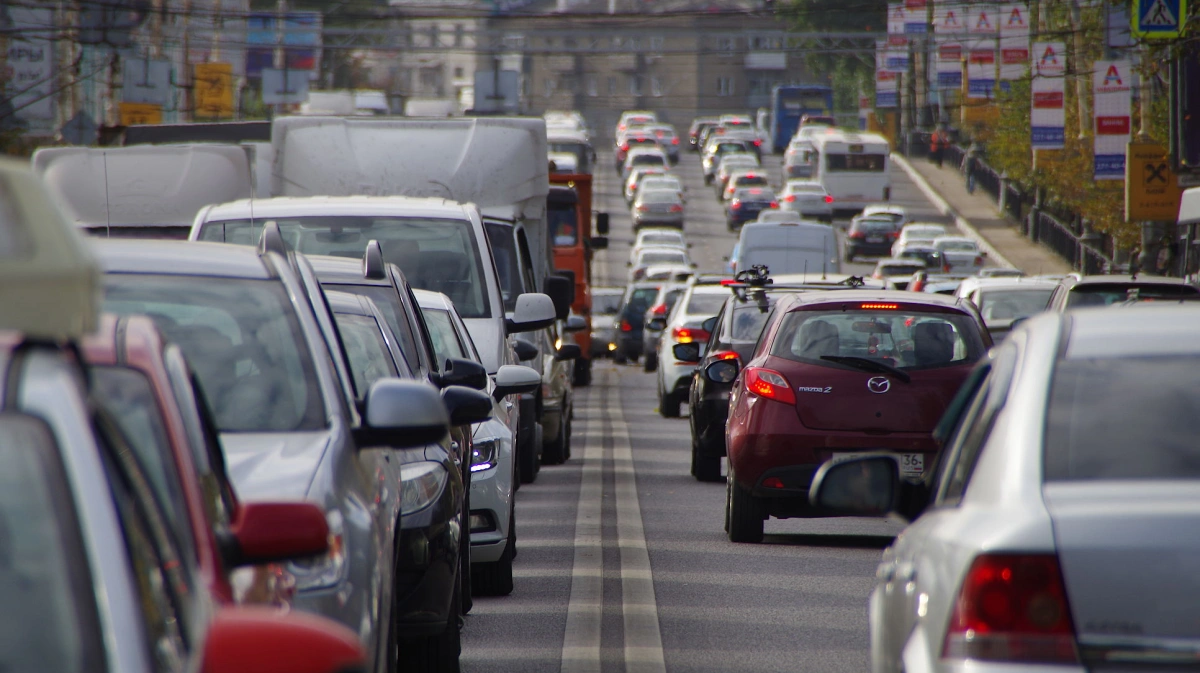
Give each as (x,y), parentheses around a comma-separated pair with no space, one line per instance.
(846,73)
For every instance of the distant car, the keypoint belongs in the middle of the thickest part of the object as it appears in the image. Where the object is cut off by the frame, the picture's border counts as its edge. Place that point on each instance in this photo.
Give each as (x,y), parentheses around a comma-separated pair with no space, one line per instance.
(1083,291)
(924,232)
(817,120)
(739,178)
(667,139)
(808,199)
(699,125)
(870,236)
(699,302)
(1003,301)
(633,181)
(631,320)
(605,302)
(917,249)
(660,256)
(630,141)
(656,320)
(789,247)
(657,237)
(644,157)
(728,164)
(799,160)
(1001,272)
(960,256)
(716,149)
(773,215)
(659,180)
(898,214)
(629,117)
(835,375)
(746,204)
(658,207)
(892,268)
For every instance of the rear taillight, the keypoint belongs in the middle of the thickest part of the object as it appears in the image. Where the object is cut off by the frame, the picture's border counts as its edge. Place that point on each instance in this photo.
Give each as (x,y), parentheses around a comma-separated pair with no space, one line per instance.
(642,208)
(736,205)
(659,309)
(770,384)
(687,335)
(1012,608)
(774,204)
(828,199)
(893,235)
(674,141)
(978,260)
(725,355)
(625,326)
(758,143)
(856,234)
(789,198)
(946,268)
(625,147)
(677,208)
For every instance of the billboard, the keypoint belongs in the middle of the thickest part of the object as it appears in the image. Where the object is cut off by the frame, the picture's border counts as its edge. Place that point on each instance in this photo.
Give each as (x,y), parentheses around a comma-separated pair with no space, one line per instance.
(1047,119)
(29,82)
(300,38)
(1112,87)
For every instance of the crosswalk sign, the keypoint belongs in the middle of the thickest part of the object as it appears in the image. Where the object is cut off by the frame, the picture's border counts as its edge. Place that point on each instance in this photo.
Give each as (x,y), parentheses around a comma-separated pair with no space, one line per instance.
(1161,19)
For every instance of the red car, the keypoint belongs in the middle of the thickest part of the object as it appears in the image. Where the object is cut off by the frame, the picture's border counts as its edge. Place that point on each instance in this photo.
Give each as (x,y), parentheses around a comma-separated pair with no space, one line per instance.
(837,374)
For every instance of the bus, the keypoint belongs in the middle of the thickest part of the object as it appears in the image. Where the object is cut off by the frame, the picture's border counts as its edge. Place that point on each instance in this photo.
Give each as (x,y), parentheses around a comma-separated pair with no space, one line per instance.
(789,102)
(853,167)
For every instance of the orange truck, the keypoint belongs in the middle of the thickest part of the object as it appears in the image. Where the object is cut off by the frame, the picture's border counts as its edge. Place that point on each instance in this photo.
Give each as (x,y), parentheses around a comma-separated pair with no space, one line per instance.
(569,214)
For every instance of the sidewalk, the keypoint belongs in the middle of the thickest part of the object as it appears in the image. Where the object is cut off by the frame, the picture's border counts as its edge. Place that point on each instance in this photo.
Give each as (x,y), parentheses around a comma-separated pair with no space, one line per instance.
(978,218)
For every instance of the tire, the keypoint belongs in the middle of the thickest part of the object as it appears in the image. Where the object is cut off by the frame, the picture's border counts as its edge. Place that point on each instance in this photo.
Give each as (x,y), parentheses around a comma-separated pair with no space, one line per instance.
(464,567)
(527,459)
(743,514)
(496,578)
(668,404)
(705,468)
(650,362)
(849,256)
(555,453)
(435,654)
(583,373)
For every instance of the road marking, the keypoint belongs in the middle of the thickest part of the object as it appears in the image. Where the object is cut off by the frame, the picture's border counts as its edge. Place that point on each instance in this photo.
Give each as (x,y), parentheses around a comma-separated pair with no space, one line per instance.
(581,640)
(643,640)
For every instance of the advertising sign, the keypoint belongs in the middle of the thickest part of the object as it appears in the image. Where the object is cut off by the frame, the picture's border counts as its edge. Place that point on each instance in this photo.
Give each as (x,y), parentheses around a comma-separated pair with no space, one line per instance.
(140,113)
(28,81)
(1151,189)
(1014,41)
(1047,118)
(1112,85)
(887,89)
(213,91)
(981,67)
(301,40)
(897,35)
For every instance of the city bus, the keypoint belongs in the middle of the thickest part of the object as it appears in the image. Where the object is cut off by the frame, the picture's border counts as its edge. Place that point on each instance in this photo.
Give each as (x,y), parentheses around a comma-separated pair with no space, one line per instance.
(790,102)
(853,167)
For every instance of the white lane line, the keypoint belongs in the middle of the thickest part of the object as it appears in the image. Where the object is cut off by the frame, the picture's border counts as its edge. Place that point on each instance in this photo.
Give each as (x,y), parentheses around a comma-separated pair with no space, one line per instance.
(581,639)
(643,640)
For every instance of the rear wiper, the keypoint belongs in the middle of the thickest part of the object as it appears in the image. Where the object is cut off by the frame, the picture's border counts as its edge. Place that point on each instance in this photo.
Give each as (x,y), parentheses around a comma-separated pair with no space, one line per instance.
(868,365)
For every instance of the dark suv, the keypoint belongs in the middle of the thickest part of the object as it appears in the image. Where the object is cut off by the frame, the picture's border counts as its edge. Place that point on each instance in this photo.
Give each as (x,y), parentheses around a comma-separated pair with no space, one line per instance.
(631,320)
(1079,292)
(747,203)
(871,236)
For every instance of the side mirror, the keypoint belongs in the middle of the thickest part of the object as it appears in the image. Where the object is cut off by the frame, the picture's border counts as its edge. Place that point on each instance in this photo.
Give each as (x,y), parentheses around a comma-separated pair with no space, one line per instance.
(656,323)
(514,380)
(599,242)
(460,372)
(269,532)
(628,263)
(569,352)
(863,486)
(561,291)
(709,325)
(466,405)
(525,350)
(722,371)
(534,311)
(402,414)
(575,323)
(686,352)
(252,639)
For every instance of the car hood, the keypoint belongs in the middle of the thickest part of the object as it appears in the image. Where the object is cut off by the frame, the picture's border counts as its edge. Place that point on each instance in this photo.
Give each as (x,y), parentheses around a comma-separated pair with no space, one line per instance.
(274,465)
(488,335)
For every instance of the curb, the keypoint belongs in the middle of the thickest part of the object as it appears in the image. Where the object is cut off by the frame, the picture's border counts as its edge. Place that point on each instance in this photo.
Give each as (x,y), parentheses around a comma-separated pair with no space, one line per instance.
(948,210)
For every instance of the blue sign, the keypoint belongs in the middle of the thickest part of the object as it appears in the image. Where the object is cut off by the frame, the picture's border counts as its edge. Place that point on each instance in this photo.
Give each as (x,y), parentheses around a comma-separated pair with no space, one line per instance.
(1162,19)
(1109,167)
(1048,136)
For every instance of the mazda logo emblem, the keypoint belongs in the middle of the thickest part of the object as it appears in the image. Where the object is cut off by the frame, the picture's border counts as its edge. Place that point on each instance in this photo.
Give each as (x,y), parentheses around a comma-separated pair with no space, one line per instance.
(879,384)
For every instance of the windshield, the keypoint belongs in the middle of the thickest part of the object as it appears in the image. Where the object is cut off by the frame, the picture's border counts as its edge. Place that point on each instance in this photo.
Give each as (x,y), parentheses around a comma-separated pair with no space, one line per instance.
(705,303)
(1013,304)
(902,338)
(243,340)
(661,239)
(504,253)
(605,304)
(1123,419)
(1106,294)
(438,254)
(366,350)
(388,301)
(639,301)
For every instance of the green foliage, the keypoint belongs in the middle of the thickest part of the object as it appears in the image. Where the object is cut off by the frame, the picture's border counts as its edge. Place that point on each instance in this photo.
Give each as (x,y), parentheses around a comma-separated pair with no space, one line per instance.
(846,73)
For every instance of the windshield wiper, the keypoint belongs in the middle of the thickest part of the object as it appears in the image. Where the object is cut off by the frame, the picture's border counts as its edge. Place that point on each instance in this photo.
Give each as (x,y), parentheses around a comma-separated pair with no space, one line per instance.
(868,365)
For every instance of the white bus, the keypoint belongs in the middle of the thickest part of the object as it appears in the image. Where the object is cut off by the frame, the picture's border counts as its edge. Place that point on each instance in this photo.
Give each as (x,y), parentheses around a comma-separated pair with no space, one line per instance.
(853,168)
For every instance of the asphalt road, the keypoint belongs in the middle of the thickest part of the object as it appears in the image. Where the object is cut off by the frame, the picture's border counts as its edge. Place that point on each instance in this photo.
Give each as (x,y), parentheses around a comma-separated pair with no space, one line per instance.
(623,564)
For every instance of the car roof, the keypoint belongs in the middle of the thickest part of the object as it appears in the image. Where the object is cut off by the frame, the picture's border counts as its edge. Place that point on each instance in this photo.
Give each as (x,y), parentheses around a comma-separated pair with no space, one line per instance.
(299,206)
(1141,280)
(1153,330)
(343,270)
(954,239)
(805,299)
(180,258)
(428,299)
(348,303)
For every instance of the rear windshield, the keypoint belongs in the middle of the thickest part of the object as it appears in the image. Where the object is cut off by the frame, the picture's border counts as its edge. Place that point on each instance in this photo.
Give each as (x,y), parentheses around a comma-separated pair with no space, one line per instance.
(1104,294)
(900,269)
(902,338)
(605,304)
(755,195)
(366,350)
(660,196)
(743,180)
(1013,304)
(748,322)
(437,254)
(662,239)
(855,163)
(388,301)
(706,304)
(664,257)
(639,301)
(1127,418)
(873,226)
(956,246)
(639,159)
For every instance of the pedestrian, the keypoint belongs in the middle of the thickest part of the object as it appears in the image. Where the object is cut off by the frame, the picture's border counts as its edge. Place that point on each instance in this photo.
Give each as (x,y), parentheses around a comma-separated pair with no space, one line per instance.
(937,145)
(970,162)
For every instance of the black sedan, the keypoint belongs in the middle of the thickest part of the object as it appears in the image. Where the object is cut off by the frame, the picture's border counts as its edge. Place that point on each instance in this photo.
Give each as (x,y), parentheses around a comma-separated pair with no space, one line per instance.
(746,204)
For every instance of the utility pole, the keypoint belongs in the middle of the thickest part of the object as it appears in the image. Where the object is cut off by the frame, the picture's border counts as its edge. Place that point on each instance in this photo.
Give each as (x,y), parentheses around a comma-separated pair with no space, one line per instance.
(1081,77)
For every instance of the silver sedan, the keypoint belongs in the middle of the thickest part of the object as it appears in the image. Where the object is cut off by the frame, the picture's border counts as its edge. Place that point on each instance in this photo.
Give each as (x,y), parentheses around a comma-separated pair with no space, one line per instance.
(1059,528)
(658,207)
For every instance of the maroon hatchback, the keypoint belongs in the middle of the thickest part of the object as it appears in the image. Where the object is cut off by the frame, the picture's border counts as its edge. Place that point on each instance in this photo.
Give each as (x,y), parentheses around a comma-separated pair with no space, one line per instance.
(834,375)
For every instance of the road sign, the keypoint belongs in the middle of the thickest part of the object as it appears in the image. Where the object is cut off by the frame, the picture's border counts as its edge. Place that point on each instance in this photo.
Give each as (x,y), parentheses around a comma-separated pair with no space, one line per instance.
(283,87)
(1159,19)
(140,113)
(146,81)
(212,91)
(1151,188)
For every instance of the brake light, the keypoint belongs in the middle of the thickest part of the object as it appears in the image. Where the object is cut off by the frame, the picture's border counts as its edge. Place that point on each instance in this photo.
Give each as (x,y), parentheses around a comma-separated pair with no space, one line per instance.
(729,281)
(758,143)
(978,260)
(828,199)
(674,141)
(659,309)
(789,198)
(1012,607)
(770,384)
(677,208)
(642,208)
(625,326)
(620,127)
(725,355)
(686,335)
(624,147)
(736,205)
(774,204)
(893,234)
(856,234)
(946,267)
(878,307)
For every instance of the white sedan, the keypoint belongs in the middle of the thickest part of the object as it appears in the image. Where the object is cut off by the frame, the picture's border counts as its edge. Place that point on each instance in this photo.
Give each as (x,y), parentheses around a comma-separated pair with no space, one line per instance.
(960,256)
(808,198)
(657,237)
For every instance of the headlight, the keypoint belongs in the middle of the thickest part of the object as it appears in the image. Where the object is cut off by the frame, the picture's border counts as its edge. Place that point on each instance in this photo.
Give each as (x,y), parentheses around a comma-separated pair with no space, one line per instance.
(483,454)
(328,570)
(420,485)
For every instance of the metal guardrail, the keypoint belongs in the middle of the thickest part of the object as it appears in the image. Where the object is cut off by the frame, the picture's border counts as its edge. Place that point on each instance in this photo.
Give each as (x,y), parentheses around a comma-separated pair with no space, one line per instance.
(1069,244)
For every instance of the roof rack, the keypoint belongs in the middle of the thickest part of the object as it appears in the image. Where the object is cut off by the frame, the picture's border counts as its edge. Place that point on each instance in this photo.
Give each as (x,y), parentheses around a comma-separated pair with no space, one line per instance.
(757,281)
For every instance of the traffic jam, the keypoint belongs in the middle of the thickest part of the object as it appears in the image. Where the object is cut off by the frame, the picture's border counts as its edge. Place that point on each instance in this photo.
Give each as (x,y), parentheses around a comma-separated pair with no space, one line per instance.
(288,403)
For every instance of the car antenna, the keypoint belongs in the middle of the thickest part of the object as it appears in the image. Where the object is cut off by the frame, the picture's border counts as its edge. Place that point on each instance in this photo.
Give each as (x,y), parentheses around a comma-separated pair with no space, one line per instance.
(107,207)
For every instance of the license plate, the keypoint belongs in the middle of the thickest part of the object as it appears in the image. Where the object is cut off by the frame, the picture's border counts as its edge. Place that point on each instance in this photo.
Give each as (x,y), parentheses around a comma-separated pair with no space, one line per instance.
(874,239)
(911,464)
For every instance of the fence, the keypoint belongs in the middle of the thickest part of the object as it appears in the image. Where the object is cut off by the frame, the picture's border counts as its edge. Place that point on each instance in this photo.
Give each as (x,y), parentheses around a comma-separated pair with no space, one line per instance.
(1065,240)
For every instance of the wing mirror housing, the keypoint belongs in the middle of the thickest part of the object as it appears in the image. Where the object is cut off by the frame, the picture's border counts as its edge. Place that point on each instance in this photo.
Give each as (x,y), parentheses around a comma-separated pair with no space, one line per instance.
(709,325)
(656,324)
(534,311)
(467,406)
(575,323)
(515,380)
(461,372)
(569,352)
(561,290)
(602,224)
(722,371)
(402,414)
(269,532)
(252,639)
(525,350)
(598,242)
(689,353)
(863,486)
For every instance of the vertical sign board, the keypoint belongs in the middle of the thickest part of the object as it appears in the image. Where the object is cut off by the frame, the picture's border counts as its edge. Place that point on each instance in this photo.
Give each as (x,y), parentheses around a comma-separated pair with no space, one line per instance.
(1152,191)
(981,50)
(897,37)
(301,42)
(1047,119)
(1158,19)
(887,82)
(1014,42)
(29,74)
(949,27)
(1112,95)
(212,91)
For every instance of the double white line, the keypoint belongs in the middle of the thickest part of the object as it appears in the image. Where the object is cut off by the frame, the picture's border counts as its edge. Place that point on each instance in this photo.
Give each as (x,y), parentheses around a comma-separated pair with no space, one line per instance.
(643,640)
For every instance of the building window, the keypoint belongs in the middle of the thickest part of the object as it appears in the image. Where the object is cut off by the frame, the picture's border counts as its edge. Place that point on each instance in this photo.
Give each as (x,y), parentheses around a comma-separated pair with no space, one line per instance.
(549,84)
(774,43)
(725,44)
(568,83)
(433,36)
(635,85)
(656,43)
(458,72)
(459,34)
(593,85)
(612,85)
(431,81)
(656,87)
(724,86)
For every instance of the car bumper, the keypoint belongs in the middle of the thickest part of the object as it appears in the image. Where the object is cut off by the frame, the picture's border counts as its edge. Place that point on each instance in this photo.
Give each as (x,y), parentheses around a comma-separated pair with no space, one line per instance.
(601,339)
(676,376)
(671,220)
(629,344)
(872,249)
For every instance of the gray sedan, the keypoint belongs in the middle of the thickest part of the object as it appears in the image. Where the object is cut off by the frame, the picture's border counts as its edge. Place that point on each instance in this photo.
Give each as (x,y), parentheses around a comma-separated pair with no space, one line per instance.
(1058,531)
(658,207)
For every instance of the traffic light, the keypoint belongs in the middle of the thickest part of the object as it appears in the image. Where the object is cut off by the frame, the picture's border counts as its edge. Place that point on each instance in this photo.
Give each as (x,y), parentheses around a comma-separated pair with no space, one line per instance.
(1185,111)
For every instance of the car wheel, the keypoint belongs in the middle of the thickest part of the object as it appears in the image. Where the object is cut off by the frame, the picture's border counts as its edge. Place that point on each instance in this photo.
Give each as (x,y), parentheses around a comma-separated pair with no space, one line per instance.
(705,468)
(435,654)
(527,459)
(668,404)
(554,453)
(583,373)
(650,362)
(496,578)
(743,514)
(849,256)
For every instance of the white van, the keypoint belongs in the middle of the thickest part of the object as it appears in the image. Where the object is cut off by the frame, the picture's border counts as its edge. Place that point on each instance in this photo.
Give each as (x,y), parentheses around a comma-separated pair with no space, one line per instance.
(789,247)
(853,167)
